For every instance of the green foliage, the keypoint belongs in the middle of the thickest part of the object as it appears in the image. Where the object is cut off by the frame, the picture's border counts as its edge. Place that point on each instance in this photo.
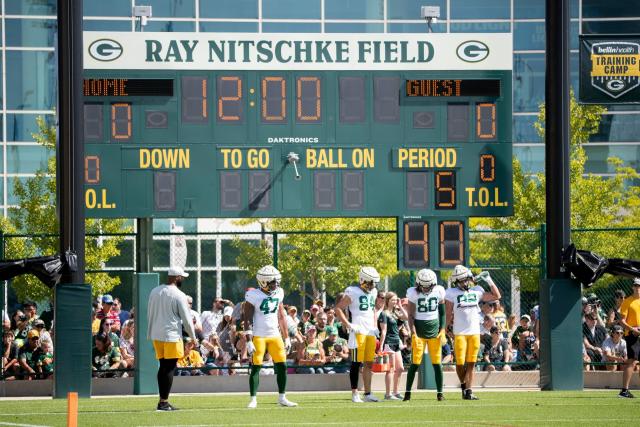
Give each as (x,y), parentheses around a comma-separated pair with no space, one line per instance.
(36,216)
(596,202)
(312,258)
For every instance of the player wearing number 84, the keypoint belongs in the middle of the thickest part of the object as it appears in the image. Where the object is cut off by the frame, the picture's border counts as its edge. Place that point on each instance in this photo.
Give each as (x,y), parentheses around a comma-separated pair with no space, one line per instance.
(263,308)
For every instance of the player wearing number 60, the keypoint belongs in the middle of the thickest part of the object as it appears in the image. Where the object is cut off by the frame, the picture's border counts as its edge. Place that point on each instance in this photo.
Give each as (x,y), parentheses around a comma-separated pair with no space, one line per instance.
(263,308)
(463,304)
(427,324)
(363,329)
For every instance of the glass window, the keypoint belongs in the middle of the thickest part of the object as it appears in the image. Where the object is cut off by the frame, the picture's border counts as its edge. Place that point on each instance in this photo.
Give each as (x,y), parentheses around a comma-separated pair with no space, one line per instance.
(21,127)
(228,27)
(229,253)
(353,28)
(610,9)
(523,130)
(208,253)
(234,284)
(207,289)
(95,25)
(471,9)
(291,9)
(480,27)
(30,7)
(611,27)
(33,80)
(597,157)
(531,158)
(410,9)
(290,27)
(532,36)
(170,26)
(107,8)
(416,28)
(618,128)
(534,9)
(247,9)
(12,199)
(165,225)
(172,8)
(1,170)
(528,81)
(354,9)
(31,32)
(125,258)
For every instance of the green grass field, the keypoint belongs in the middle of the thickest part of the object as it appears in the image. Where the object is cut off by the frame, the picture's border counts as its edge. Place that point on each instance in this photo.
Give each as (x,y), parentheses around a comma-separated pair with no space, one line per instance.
(515,408)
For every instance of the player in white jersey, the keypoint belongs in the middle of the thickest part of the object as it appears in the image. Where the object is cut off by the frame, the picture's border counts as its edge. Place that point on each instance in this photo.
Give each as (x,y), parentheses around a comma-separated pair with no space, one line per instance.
(360,300)
(263,308)
(463,304)
(427,323)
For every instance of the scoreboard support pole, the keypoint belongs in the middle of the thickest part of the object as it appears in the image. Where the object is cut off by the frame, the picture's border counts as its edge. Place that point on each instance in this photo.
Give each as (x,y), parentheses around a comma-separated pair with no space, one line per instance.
(144,243)
(146,364)
(560,296)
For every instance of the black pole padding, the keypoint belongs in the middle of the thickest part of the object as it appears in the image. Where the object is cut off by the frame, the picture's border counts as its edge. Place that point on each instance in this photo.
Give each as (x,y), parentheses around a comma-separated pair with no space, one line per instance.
(557,81)
(70,149)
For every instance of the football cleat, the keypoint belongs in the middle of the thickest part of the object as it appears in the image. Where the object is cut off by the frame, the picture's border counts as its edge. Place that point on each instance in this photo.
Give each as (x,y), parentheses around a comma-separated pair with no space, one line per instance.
(626,394)
(440,397)
(355,398)
(253,403)
(407,396)
(268,278)
(370,398)
(283,401)
(165,407)
(425,280)
(391,397)
(468,395)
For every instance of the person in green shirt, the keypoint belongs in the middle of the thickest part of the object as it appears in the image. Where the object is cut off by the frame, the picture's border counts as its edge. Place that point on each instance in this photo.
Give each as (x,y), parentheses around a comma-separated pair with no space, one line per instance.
(104,357)
(392,313)
(336,352)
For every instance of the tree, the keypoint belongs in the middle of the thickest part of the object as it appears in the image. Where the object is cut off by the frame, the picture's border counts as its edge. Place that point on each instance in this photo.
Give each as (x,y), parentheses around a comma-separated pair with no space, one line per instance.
(596,202)
(329,261)
(36,216)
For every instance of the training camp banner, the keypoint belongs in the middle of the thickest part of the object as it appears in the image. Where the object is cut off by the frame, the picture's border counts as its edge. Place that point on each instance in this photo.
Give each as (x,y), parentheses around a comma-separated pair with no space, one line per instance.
(610,69)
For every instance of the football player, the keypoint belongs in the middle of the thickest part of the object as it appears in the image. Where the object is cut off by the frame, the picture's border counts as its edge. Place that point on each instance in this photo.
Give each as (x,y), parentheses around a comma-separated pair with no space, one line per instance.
(360,300)
(263,308)
(463,304)
(427,323)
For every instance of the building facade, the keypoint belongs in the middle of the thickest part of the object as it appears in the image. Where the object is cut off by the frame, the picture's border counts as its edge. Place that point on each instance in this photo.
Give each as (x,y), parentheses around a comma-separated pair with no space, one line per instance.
(28,87)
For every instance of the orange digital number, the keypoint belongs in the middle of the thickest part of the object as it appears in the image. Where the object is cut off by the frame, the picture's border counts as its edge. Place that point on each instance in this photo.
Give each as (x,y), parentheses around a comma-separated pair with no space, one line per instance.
(92,169)
(266,114)
(486,120)
(315,116)
(487,168)
(423,242)
(445,190)
(235,98)
(449,245)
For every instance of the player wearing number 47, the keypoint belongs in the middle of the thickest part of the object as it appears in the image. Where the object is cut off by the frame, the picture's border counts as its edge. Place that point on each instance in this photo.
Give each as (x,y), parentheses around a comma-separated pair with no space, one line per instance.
(427,324)
(363,329)
(263,308)
(463,304)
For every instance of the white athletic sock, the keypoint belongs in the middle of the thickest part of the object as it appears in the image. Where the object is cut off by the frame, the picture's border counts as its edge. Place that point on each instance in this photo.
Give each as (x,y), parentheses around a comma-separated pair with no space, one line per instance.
(282,396)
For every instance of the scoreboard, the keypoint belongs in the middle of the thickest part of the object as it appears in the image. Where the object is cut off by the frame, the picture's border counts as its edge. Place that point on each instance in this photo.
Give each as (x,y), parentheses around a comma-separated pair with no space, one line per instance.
(255,125)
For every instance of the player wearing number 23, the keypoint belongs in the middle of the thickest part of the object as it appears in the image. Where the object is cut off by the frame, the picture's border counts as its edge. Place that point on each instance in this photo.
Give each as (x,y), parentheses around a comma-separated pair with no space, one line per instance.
(263,308)
(360,300)
(463,304)
(427,323)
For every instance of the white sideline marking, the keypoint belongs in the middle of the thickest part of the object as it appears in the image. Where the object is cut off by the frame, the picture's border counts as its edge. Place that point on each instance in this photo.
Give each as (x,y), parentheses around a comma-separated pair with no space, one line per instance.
(20,425)
(585,420)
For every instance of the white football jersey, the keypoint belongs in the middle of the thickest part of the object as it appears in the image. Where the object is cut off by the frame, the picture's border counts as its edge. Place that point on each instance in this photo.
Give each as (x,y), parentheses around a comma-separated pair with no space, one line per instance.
(361,308)
(466,309)
(426,304)
(265,311)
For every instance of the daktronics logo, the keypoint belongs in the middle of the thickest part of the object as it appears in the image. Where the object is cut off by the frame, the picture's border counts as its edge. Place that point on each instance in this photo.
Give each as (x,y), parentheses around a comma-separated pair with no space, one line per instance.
(105,50)
(472,51)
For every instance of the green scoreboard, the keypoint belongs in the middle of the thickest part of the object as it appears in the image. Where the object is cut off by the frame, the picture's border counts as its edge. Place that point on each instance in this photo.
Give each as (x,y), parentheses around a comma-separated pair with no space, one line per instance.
(416,127)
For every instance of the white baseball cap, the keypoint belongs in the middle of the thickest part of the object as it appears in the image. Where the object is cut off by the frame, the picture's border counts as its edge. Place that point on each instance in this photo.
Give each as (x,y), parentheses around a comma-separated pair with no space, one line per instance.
(228,311)
(176,270)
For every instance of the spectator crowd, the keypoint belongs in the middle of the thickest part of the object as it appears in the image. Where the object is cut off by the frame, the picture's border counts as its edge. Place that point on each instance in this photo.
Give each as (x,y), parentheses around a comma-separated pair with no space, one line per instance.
(319,340)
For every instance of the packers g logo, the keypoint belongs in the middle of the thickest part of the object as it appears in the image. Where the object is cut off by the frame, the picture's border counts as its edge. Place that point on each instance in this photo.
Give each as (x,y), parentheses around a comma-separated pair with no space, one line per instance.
(105,50)
(472,51)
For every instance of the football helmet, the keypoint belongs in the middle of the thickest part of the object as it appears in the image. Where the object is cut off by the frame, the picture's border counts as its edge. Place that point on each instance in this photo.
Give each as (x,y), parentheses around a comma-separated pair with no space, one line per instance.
(425,280)
(368,278)
(461,277)
(268,278)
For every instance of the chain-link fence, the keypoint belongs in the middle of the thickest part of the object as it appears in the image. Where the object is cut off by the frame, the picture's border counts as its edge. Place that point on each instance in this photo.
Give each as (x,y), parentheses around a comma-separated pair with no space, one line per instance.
(515,259)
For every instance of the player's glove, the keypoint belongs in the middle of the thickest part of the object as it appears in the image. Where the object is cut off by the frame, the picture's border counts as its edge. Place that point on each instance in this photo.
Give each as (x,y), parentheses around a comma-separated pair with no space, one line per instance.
(483,277)
(287,345)
(251,348)
(442,336)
